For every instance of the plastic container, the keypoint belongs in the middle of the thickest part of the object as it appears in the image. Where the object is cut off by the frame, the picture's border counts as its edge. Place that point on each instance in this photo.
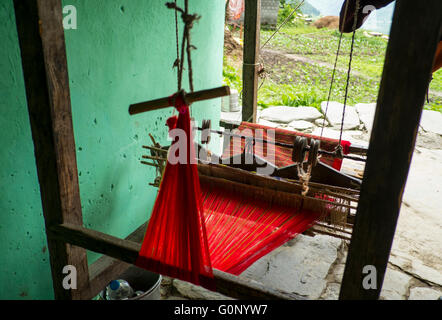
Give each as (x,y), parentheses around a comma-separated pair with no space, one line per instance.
(225,104)
(234,101)
(119,290)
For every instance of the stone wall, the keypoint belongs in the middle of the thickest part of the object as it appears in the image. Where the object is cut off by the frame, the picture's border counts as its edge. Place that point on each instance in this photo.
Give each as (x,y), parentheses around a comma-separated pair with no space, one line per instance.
(269,11)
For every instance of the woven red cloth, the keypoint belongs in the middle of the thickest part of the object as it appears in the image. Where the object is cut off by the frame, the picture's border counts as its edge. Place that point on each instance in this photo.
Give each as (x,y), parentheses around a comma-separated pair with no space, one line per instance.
(175,243)
(243,226)
(194,228)
(283,155)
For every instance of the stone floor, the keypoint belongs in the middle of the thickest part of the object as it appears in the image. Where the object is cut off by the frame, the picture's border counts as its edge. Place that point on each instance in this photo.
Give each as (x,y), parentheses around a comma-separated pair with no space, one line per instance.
(313,266)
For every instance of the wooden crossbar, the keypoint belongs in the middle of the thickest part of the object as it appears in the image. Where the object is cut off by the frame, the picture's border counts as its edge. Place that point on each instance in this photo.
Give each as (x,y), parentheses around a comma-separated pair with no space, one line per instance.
(190,98)
(127,251)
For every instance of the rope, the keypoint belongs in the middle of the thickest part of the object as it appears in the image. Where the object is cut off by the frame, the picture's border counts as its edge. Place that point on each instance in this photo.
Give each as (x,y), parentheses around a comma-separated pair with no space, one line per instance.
(186,46)
(346,86)
(304,178)
(349,68)
(357,6)
(331,84)
(283,24)
(334,69)
(268,40)
(177,61)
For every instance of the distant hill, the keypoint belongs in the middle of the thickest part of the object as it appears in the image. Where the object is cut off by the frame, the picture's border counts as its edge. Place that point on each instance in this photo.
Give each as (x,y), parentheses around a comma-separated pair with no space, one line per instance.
(326,7)
(306,8)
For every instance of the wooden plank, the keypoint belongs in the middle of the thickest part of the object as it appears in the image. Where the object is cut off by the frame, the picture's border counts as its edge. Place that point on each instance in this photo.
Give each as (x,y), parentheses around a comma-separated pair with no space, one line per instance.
(404,84)
(95,241)
(190,98)
(241,288)
(242,176)
(127,251)
(252,27)
(321,173)
(49,105)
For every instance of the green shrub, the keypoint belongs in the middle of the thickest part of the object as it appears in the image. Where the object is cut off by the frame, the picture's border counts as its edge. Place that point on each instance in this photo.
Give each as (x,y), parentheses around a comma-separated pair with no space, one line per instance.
(286,10)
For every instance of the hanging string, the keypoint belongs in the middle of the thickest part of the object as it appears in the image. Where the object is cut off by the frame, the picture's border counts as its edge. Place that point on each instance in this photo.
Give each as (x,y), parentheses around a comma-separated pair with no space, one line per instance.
(334,69)
(349,68)
(347,85)
(263,73)
(282,24)
(186,46)
(331,84)
(177,61)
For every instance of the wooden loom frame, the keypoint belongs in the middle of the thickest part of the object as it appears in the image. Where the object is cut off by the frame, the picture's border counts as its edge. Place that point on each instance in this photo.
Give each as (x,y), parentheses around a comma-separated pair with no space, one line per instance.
(43,52)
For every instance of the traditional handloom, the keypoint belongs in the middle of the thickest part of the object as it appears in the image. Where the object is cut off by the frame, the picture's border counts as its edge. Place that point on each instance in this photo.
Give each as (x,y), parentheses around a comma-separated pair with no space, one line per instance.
(211,215)
(402,93)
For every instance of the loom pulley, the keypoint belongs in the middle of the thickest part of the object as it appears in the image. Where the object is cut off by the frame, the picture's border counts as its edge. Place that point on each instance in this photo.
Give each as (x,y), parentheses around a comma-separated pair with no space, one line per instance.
(300,148)
(313,152)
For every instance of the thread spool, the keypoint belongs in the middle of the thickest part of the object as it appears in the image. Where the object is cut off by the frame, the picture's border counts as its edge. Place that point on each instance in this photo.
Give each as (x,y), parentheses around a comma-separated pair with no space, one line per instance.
(313,152)
(299,149)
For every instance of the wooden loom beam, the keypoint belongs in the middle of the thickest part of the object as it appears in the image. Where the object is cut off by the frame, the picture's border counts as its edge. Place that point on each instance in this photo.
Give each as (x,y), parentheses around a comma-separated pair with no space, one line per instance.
(252,27)
(127,251)
(405,79)
(190,98)
(46,79)
(106,268)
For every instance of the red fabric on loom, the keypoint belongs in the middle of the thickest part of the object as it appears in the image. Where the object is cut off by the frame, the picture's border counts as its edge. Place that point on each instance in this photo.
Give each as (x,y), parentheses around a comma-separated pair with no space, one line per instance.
(194,228)
(175,243)
(242,228)
(283,156)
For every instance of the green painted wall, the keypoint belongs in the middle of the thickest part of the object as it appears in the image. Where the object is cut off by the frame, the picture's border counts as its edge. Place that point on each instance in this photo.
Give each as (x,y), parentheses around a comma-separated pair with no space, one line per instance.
(121,53)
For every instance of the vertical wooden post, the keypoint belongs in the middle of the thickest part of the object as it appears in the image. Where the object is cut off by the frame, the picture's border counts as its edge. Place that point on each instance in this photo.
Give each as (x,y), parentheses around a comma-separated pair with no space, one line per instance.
(252,27)
(415,33)
(43,52)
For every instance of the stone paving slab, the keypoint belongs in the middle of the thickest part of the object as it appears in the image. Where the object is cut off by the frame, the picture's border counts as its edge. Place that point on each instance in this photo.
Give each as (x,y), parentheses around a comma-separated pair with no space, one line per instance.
(334,115)
(300,267)
(284,114)
(366,112)
(431,121)
(301,125)
(396,284)
(420,293)
(193,292)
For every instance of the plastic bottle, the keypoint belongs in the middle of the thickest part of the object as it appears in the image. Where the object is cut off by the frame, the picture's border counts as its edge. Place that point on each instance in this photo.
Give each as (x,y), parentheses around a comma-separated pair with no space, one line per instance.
(119,290)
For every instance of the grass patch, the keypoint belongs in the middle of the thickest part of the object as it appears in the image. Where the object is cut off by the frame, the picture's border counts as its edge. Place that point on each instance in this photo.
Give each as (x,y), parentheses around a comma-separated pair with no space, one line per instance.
(231,76)
(297,83)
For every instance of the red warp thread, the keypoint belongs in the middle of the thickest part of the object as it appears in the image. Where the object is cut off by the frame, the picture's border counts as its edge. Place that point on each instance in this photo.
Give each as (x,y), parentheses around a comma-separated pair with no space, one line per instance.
(242,228)
(194,228)
(175,243)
